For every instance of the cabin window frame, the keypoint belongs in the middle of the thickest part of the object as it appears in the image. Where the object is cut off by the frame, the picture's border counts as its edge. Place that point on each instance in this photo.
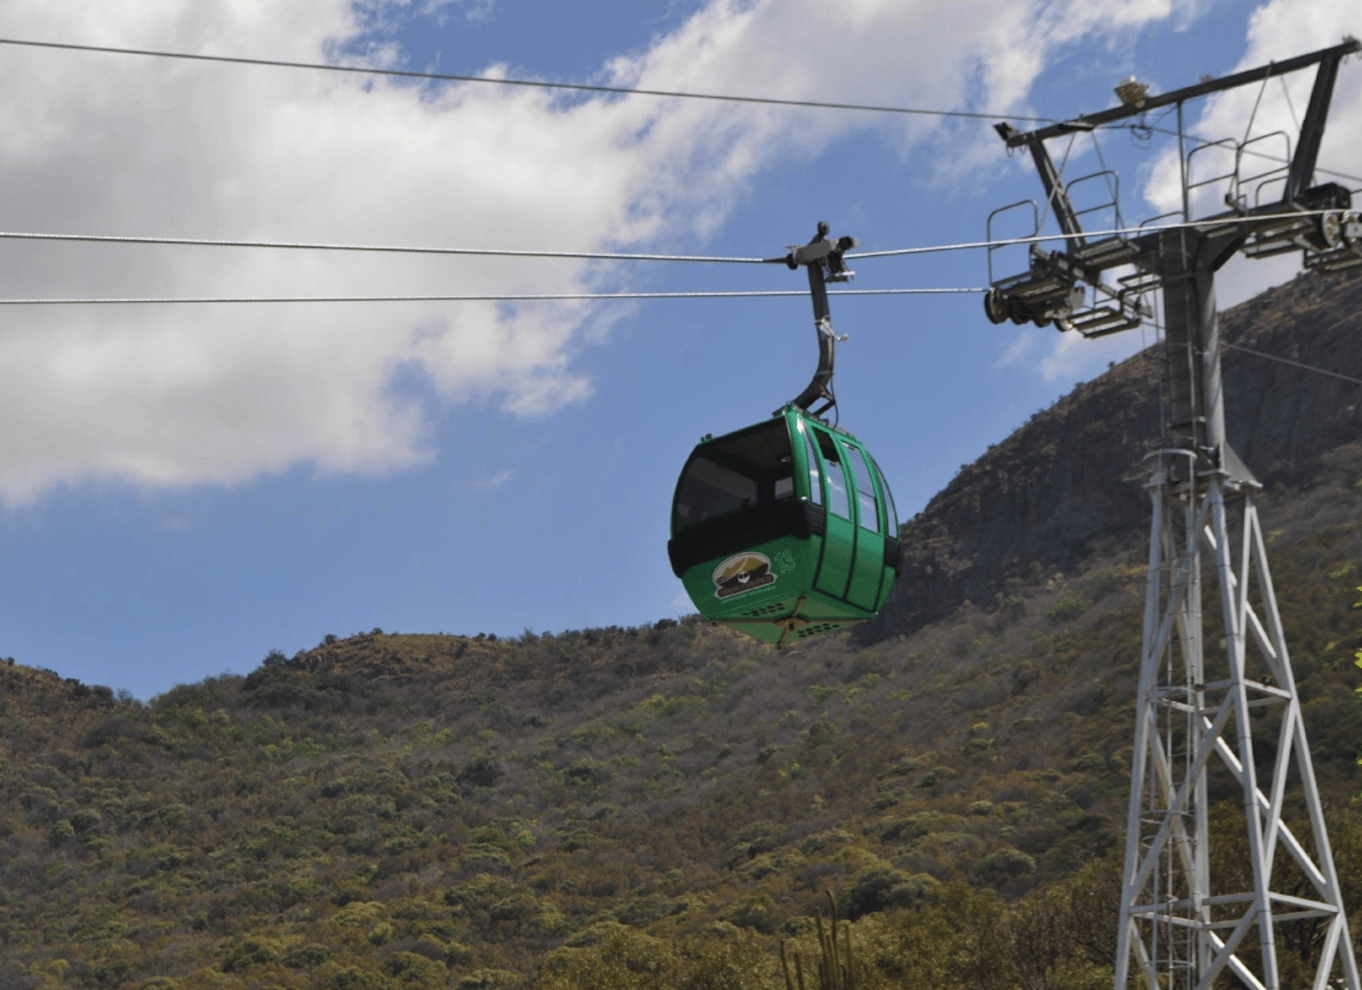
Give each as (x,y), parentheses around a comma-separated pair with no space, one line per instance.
(771,480)
(859,457)
(826,440)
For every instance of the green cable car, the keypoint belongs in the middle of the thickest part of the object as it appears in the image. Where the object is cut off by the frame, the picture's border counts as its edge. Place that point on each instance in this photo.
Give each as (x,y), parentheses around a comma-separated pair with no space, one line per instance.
(786,529)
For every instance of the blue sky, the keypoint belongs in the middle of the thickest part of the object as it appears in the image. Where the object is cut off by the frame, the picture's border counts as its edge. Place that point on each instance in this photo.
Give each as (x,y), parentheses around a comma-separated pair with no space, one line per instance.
(183,489)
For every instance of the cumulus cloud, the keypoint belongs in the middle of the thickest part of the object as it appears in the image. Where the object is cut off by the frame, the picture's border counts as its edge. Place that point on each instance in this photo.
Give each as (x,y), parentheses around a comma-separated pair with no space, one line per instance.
(189,395)
(1265,120)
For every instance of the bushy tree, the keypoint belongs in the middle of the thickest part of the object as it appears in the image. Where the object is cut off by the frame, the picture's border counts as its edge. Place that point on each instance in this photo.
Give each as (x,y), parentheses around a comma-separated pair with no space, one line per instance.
(1358,654)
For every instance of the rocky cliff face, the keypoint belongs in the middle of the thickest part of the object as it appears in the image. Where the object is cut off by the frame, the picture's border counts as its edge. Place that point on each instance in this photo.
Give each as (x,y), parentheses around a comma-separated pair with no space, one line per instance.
(1073,474)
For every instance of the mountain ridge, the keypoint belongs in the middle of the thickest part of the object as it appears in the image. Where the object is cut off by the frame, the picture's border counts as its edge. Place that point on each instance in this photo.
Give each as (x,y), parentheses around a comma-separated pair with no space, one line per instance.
(1072,475)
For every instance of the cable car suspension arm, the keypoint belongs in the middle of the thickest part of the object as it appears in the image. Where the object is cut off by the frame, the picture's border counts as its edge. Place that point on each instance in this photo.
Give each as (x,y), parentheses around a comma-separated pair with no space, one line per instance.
(823,258)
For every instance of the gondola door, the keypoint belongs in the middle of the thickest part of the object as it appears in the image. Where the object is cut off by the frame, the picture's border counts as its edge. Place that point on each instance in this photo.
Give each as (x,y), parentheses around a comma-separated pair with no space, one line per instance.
(834,570)
(867,569)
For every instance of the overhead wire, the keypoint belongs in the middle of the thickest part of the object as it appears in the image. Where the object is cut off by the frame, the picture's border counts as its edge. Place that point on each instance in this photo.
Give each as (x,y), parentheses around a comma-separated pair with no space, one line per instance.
(495,81)
(1206,142)
(541,253)
(485,297)
(1112,187)
(1063,164)
(1160,330)
(18,235)
(593,88)
(582,255)
(1141,126)
(1257,102)
(1291,107)
(376,248)
(1294,364)
(1040,238)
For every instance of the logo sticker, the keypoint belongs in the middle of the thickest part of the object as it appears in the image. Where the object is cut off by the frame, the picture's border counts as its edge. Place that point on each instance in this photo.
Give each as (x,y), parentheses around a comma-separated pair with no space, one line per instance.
(741,573)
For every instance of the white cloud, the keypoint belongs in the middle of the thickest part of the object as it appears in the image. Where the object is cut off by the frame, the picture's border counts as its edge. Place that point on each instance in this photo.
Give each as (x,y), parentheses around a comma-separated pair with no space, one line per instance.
(188,395)
(486,480)
(1278,30)
(473,10)
(1074,358)
(1017,351)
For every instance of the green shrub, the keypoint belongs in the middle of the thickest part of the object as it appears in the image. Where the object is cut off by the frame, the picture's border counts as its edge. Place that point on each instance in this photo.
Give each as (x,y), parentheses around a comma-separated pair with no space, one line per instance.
(903,829)
(758,913)
(252,951)
(85,819)
(485,979)
(61,832)
(1068,609)
(354,978)
(937,775)
(358,913)
(1006,864)
(728,964)
(409,969)
(878,887)
(307,956)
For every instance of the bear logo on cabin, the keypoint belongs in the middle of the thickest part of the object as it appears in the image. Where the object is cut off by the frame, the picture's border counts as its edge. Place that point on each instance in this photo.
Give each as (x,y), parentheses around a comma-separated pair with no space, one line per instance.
(741,573)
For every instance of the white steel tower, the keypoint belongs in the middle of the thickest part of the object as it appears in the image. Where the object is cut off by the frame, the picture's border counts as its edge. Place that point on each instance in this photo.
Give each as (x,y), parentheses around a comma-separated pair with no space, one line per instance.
(1217,698)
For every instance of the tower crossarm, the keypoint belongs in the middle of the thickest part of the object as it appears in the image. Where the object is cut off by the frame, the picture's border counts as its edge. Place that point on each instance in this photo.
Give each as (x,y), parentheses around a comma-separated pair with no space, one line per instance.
(1087,122)
(1314,218)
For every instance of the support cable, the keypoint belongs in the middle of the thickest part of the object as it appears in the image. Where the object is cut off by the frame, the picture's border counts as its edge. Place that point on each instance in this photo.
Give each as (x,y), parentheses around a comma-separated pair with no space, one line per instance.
(1039,238)
(1204,142)
(1294,364)
(1248,130)
(1291,107)
(1158,330)
(503,297)
(16,235)
(1106,175)
(534,83)
(621,90)
(1059,181)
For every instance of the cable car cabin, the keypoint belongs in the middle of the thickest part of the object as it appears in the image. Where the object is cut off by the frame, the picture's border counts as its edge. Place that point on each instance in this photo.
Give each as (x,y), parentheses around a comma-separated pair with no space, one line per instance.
(785,529)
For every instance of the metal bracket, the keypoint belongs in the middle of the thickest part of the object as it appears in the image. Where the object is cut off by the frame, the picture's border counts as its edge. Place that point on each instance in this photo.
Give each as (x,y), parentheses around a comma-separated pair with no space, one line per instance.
(823,258)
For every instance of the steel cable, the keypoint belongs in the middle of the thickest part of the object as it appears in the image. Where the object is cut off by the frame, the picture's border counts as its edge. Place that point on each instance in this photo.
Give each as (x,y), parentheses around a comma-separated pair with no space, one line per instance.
(490,297)
(450,77)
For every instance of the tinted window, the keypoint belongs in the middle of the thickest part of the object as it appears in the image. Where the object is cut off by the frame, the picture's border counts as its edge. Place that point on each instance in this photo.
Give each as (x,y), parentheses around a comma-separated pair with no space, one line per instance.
(711,489)
(889,509)
(838,501)
(815,475)
(865,490)
(735,472)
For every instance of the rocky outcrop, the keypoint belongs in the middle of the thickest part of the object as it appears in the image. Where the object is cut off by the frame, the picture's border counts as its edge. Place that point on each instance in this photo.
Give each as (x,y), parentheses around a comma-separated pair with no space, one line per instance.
(1073,474)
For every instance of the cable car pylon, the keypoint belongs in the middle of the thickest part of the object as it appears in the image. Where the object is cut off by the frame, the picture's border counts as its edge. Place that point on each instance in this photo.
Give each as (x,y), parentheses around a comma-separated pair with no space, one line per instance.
(1224,699)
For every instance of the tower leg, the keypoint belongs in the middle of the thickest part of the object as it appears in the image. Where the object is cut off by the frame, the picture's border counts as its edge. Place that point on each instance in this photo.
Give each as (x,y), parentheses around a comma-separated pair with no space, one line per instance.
(1207,711)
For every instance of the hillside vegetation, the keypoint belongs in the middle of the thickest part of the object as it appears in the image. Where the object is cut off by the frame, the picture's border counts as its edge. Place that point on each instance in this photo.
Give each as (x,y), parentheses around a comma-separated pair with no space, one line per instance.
(650,807)
(664,806)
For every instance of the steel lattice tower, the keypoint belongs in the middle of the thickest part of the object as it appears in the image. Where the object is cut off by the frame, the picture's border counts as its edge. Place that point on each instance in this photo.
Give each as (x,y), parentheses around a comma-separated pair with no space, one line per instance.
(1216,688)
